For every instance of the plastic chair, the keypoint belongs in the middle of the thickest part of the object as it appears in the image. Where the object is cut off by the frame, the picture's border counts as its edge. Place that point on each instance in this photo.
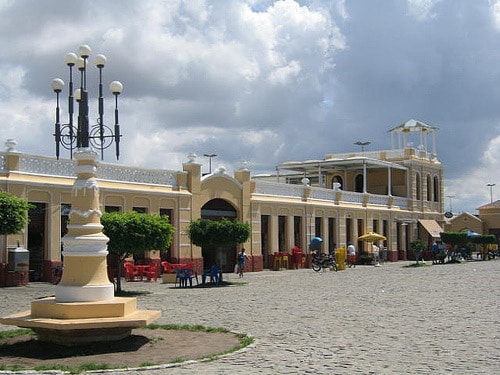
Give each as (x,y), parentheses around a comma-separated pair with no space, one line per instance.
(214,273)
(152,272)
(131,272)
(284,261)
(277,262)
(184,276)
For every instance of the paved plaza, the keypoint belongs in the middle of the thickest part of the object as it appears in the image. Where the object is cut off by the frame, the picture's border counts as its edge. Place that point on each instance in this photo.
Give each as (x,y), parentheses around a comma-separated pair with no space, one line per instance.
(441,319)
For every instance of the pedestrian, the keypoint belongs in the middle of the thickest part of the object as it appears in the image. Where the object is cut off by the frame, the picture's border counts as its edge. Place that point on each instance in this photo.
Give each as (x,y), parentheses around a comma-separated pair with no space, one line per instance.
(242,257)
(351,255)
(376,255)
(434,252)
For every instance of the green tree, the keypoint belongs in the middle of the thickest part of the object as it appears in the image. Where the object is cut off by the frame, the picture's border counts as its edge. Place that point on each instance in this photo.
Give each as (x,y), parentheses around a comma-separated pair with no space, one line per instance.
(13,213)
(417,248)
(455,240)
(483,240)
(133,233)
(210,233)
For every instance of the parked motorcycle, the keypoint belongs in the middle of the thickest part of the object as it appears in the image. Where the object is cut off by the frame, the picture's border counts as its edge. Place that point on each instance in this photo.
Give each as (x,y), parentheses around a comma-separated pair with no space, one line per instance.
(322,261)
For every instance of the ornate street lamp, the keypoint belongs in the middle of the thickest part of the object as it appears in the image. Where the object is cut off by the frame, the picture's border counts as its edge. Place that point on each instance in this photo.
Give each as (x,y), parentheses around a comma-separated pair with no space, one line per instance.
(84,308)
(98,136)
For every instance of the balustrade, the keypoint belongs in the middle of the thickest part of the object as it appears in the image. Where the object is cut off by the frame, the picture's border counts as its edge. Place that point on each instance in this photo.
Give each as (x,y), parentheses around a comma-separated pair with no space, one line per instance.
(67,168)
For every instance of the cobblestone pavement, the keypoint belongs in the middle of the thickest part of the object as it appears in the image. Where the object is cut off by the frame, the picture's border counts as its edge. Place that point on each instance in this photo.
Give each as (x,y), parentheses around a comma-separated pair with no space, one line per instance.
(441,319)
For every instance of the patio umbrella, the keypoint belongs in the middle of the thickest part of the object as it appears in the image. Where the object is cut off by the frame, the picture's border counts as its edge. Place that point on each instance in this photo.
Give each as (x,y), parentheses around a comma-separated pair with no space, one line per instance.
(471,233)
(315,243)
(371,237)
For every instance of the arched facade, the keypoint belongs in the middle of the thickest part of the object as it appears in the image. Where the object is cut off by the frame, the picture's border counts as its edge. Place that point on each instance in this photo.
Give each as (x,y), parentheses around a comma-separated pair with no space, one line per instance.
(342,197)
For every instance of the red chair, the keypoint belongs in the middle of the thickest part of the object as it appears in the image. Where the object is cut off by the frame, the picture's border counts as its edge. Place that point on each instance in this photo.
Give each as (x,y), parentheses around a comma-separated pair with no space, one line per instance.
(131,272)
(152,272)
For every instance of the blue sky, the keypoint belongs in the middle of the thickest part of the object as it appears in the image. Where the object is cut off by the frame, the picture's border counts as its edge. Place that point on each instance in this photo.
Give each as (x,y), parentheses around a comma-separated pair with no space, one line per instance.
(267,81)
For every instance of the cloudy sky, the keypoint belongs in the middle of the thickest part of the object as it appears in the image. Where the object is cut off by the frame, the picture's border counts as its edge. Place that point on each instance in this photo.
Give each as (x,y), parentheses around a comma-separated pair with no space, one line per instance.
(267,81)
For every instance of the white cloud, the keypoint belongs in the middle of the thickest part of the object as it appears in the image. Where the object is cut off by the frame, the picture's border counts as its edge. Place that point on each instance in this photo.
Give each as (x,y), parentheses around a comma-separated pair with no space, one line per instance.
(283,75)
(263,80)
(495,14)
(422,9)
(470,189)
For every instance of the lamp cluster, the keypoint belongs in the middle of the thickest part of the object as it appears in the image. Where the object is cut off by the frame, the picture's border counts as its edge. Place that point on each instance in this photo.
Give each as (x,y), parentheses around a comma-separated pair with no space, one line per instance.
(98,135)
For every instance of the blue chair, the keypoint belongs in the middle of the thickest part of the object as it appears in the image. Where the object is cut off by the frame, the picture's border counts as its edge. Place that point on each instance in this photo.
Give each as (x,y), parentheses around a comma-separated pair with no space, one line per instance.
(214,273)
(185,276)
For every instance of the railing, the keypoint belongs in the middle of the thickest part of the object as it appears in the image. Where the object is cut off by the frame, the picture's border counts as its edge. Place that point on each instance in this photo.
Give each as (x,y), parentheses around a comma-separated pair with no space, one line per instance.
(323,194)
(297,191)
(401,202)
(352,197)
(379,200)
(389,154)
(277,189)
(47,166)
(140,175)
(67,168)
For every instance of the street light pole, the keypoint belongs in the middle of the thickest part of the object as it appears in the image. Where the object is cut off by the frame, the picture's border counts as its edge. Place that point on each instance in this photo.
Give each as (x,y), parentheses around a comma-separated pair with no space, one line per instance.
(84,309)
(451,201)
(210,156)
(491,191)
(85,245)
(362,144)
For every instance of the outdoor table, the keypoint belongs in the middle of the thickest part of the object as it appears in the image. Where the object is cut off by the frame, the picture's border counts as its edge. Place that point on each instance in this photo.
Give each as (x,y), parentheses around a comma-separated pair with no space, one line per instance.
(142,269)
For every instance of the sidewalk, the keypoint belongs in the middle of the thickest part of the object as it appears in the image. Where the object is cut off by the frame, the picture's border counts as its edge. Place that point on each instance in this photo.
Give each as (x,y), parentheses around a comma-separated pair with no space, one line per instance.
(381,320)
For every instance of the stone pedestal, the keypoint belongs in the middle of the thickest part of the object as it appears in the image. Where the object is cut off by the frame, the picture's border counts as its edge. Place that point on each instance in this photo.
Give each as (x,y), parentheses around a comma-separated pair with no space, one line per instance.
(73,323)
(84,308)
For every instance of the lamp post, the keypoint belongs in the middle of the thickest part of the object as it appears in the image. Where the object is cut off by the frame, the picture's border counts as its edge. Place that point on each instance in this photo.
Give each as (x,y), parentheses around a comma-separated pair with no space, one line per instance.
(99,136)
(84,309)
(491,191)
(85,246)
(451,201)
(362,144)
(210,156)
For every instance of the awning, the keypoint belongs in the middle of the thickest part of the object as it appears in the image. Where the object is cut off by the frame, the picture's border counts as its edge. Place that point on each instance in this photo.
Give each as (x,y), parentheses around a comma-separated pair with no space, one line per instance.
(432,227)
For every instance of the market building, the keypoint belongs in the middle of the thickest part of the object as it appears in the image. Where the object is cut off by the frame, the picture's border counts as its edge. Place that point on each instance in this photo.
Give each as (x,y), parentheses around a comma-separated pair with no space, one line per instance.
(396,192)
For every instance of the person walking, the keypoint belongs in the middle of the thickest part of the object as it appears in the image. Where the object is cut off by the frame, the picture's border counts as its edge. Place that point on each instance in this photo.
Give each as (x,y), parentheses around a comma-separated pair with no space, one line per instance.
(376,255)
(351,255)
(242,257)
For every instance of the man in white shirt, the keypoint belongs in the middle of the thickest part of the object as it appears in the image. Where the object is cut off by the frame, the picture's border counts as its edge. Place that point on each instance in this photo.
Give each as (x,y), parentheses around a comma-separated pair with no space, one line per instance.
(376,255)
(351,255)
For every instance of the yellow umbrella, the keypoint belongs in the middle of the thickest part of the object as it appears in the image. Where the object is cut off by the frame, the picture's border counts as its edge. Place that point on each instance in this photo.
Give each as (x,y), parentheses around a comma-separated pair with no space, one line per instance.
(371,237)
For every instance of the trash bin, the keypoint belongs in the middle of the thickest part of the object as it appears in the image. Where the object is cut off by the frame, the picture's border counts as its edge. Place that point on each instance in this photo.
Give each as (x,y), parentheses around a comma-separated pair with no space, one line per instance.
(19,259)
(340,257)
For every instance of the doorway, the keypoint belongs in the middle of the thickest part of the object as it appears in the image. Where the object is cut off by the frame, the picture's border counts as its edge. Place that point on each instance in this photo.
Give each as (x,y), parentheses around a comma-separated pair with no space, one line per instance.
(36,239)
(223,256)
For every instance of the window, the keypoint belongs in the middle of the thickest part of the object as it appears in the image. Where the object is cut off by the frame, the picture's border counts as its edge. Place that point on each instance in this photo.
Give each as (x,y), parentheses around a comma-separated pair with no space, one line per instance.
(359,183)
(436,189)
(297,231)
(318,230)
(282,233)
(429,188)
(417,186)
(112,209)
(166,212)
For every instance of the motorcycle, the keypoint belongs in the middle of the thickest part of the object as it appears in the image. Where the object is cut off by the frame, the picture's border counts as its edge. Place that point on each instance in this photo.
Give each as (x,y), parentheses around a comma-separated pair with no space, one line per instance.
(322,261)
